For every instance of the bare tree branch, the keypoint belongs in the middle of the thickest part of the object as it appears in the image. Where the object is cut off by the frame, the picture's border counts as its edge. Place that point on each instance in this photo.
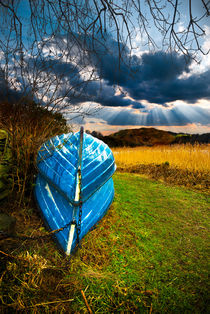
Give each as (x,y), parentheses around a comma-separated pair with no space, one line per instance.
(55,37)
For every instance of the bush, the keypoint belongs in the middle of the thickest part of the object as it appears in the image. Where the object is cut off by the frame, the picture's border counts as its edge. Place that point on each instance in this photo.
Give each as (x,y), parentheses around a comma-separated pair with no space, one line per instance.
(28,125)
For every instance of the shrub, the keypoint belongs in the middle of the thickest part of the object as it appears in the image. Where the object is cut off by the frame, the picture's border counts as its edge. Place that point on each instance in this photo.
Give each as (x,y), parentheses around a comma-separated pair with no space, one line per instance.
(28,125)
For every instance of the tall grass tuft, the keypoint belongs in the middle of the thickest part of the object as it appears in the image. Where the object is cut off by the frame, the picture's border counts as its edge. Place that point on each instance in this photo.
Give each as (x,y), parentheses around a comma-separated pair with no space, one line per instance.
(28,126)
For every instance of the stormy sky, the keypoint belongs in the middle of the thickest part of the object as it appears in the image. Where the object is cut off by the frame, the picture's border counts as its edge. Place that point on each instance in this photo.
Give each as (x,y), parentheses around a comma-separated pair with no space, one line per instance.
(152,88)
(158,89)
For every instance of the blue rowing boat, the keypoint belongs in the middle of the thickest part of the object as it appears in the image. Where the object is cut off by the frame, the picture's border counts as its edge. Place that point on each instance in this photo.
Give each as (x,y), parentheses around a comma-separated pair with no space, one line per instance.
(74,186)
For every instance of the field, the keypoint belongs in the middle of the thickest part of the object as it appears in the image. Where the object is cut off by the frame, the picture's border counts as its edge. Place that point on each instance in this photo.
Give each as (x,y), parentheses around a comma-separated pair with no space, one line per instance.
(190,157)
(183,165)
(147,255)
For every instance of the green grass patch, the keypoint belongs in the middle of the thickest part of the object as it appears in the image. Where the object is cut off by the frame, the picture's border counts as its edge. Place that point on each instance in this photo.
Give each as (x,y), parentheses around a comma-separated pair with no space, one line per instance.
(148,254)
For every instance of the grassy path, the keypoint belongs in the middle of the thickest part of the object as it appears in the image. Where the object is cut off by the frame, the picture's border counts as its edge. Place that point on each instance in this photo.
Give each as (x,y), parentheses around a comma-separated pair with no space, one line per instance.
(148,254)
(157,247)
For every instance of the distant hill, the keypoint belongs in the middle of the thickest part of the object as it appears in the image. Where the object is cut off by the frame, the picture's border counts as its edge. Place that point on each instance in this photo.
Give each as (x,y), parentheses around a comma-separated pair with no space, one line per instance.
(150,137)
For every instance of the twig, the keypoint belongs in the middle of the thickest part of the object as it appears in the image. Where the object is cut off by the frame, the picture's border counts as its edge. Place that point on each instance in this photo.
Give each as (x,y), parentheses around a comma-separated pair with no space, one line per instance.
(150,311)
(5,254)
(86,302)
(12,256)
(51,302)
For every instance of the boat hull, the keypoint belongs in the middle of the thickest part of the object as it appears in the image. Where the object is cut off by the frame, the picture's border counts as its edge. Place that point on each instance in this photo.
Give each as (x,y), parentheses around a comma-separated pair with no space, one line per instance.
(74,188)
(57,211)
(58,164)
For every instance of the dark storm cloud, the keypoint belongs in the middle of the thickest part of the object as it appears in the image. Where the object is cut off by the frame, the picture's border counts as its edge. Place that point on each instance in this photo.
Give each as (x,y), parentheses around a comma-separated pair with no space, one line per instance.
(55,66)
(81,90)
(189,89)
(10,94)
(118,101)
(132,71)
(137,105)
(102,94)
(162,66)
(154,77)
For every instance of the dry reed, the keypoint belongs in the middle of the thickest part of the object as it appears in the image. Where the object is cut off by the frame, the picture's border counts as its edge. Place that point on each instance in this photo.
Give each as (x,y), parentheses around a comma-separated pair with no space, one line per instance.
(186,157)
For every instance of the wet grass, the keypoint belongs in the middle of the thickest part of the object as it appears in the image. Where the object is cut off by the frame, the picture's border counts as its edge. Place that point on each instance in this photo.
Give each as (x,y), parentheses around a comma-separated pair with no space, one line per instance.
(148,254)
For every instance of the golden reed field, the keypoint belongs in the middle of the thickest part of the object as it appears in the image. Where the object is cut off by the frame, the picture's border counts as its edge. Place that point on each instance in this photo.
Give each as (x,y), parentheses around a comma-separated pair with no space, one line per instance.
(183,156)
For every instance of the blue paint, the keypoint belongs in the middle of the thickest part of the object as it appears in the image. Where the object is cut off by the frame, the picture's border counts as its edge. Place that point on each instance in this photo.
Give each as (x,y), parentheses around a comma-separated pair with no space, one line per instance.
(56,182)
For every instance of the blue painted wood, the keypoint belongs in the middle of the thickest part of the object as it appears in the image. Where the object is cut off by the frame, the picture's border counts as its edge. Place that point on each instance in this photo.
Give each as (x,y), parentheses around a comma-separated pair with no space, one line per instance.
(58,161)
(56,182)
(57,211)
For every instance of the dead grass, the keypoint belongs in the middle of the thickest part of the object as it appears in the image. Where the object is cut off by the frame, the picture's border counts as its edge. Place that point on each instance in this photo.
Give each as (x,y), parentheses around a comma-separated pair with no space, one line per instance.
(184,156)
(185,165)
(192,179)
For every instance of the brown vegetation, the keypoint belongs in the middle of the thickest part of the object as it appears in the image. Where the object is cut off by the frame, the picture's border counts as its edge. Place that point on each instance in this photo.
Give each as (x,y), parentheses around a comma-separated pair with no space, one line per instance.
(187,165)
(191,179)
(28,126)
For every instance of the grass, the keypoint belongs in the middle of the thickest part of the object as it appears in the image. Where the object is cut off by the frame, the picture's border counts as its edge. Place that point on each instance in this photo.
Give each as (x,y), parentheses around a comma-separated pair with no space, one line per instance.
(183,156)
(185,165)
(148,254)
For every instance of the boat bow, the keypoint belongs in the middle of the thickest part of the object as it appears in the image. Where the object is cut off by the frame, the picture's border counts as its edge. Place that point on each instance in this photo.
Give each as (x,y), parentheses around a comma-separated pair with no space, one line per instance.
(74,187)
(58,162)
